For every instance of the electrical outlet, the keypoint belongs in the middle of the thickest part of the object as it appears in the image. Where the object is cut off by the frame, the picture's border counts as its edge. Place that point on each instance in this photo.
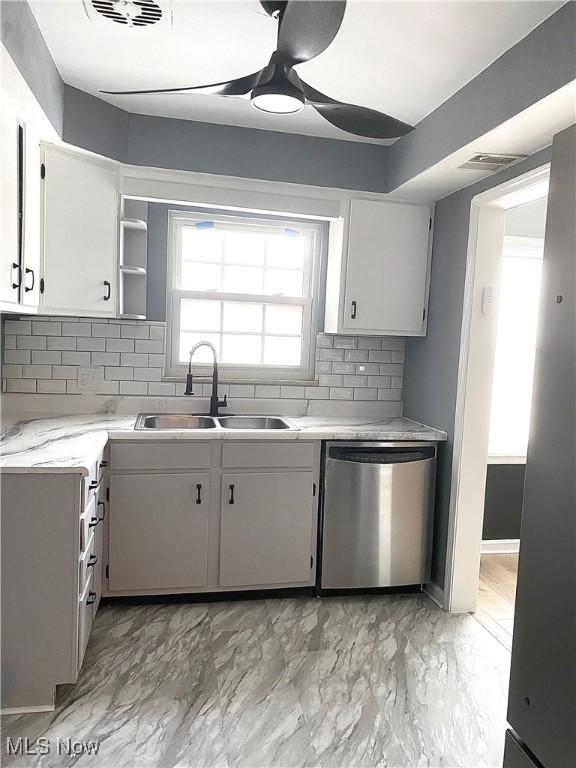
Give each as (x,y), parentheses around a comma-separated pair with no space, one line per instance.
(88,379)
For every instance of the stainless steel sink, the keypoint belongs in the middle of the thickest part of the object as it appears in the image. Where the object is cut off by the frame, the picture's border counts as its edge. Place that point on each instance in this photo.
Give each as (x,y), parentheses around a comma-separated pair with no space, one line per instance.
(174,421)
(253,422)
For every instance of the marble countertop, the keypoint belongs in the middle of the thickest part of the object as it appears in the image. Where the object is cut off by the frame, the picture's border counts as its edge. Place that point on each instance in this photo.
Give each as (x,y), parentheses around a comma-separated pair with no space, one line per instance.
(70,443)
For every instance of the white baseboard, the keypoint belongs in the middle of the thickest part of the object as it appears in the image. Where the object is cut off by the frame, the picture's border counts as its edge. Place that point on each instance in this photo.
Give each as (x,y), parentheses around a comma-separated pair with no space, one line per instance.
(27,710)
(435,593)
(500,546)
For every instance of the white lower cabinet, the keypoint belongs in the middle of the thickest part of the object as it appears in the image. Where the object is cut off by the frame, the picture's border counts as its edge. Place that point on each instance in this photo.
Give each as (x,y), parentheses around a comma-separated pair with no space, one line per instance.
(266,528)
(158,531)
(209,516)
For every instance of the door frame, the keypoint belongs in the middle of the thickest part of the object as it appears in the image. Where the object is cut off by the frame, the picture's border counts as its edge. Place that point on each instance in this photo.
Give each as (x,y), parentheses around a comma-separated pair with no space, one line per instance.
(474,389)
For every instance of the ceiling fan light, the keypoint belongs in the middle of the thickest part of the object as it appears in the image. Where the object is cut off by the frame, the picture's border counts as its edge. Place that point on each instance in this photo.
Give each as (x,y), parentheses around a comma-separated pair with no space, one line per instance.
(277,103)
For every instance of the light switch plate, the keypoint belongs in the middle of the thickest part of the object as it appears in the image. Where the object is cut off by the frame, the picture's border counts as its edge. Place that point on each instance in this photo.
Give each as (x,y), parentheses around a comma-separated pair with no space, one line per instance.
(88,379)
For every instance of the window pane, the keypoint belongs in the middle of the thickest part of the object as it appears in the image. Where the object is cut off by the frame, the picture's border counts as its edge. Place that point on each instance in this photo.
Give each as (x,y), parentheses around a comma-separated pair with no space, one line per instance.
(245,318)
(283,319)
(242,350)
(200,277)
(279,350)
(286,250)
(202,355)
(200,244)
(283,282)
(199,315)
(243,279)
(244,248)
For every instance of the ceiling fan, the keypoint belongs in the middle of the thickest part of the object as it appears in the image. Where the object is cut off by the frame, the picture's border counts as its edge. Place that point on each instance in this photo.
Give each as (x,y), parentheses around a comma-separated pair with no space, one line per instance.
(305,29)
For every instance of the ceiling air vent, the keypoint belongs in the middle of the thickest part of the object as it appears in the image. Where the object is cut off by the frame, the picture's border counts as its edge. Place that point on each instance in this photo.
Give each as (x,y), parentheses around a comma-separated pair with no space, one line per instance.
(131,13)
(486,162)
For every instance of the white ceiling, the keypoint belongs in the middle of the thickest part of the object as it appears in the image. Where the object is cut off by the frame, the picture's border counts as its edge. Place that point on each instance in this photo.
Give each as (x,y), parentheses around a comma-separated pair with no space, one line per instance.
(403,57)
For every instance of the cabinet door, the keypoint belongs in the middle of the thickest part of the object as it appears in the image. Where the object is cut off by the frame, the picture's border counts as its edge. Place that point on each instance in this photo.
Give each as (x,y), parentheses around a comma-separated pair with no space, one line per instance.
(158,534)
(266,528)
(30,294)
(80,234)
(387,267)
(9,275)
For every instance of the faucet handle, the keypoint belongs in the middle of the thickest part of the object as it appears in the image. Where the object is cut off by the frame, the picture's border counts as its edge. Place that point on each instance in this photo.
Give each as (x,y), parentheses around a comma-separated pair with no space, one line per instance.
(223,403)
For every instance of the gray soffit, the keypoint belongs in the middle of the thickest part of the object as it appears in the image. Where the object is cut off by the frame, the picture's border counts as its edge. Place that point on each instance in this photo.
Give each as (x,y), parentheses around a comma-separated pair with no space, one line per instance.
(538,65)
(23,40)
(541,63)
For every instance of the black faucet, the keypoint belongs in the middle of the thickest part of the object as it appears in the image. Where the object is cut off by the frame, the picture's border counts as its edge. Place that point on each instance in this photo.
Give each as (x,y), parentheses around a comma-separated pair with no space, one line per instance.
(215,403)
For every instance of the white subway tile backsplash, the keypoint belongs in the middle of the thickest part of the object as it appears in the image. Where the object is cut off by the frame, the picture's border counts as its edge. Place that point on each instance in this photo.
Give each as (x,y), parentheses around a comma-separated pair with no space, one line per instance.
(105,330)
(51,386)
(49,358)
(117,345)
(119,373)
(76,358)
(105,358)
(17,355)
(44,354)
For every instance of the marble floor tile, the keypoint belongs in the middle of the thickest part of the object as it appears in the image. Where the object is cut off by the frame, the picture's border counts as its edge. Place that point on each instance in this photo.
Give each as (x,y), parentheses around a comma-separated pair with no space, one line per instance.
(387,681)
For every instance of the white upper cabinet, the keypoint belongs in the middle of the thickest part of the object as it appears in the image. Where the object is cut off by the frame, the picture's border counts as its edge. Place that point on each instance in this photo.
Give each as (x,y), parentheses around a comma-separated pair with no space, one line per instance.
(80,234)
(19,210)
(378,285)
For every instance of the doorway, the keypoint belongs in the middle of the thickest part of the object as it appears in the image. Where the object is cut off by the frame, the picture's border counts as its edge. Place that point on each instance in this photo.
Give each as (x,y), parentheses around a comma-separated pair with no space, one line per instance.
(494,393)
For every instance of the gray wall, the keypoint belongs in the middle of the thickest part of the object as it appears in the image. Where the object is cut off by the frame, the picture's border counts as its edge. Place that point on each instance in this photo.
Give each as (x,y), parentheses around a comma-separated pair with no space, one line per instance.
(542,700)
(24,42)
(542,62)
(431,372)
(503,501)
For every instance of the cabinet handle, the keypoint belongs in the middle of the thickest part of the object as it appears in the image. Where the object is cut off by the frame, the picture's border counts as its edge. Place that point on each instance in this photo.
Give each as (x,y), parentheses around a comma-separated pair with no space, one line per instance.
(198,493)
(31,287)
(109,290)
(92,561)
(103,464)
(95,484)
(91,598)
(353,314)
(231,498)
(103,504)
(93,522)
(19,268)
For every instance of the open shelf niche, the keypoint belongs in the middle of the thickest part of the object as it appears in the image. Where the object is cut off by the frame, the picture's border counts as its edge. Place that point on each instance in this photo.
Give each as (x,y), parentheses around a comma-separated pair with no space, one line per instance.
(133,259)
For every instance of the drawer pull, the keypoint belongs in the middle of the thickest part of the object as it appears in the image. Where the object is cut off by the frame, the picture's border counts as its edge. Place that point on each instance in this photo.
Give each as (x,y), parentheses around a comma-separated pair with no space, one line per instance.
(93,522)
(353,313)
(92,561)
(108,290)
(231,498)
(103,505)
(199,493)
(94,484)
(91,599)
(103,464)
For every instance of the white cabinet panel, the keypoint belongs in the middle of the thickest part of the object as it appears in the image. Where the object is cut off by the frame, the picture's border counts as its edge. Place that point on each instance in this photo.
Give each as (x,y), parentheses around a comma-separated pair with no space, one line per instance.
(385,272)
(158,531)
(80,234)
(266,528)
(30,294)
(8,202)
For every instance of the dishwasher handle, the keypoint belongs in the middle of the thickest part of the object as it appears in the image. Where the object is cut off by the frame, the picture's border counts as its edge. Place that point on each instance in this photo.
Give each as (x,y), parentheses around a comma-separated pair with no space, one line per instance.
(382,455)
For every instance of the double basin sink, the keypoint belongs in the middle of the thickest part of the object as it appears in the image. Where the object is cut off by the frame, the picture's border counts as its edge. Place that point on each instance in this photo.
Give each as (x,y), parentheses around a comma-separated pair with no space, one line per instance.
(161,421)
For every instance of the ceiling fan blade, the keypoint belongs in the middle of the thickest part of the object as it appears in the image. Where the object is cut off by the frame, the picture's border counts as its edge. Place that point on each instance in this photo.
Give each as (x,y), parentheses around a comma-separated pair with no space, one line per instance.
(239,87)
(353,119)
(307,27)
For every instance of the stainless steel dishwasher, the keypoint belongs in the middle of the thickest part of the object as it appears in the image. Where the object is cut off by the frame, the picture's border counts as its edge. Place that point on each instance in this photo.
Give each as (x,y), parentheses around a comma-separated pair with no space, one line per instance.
(377,514)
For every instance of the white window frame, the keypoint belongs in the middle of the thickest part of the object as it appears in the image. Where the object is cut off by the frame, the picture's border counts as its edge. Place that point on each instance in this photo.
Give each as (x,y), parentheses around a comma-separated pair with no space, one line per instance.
(304,373)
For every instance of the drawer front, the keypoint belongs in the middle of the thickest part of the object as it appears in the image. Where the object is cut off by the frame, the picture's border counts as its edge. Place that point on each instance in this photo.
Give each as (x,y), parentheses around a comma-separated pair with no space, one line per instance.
(265,454)
(93,481)
(85,618)
(88,522)
(152,455)
(87,563)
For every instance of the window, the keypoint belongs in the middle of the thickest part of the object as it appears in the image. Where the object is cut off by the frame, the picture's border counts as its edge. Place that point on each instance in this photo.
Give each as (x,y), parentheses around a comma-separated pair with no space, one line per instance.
(246,285)
(515,346)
